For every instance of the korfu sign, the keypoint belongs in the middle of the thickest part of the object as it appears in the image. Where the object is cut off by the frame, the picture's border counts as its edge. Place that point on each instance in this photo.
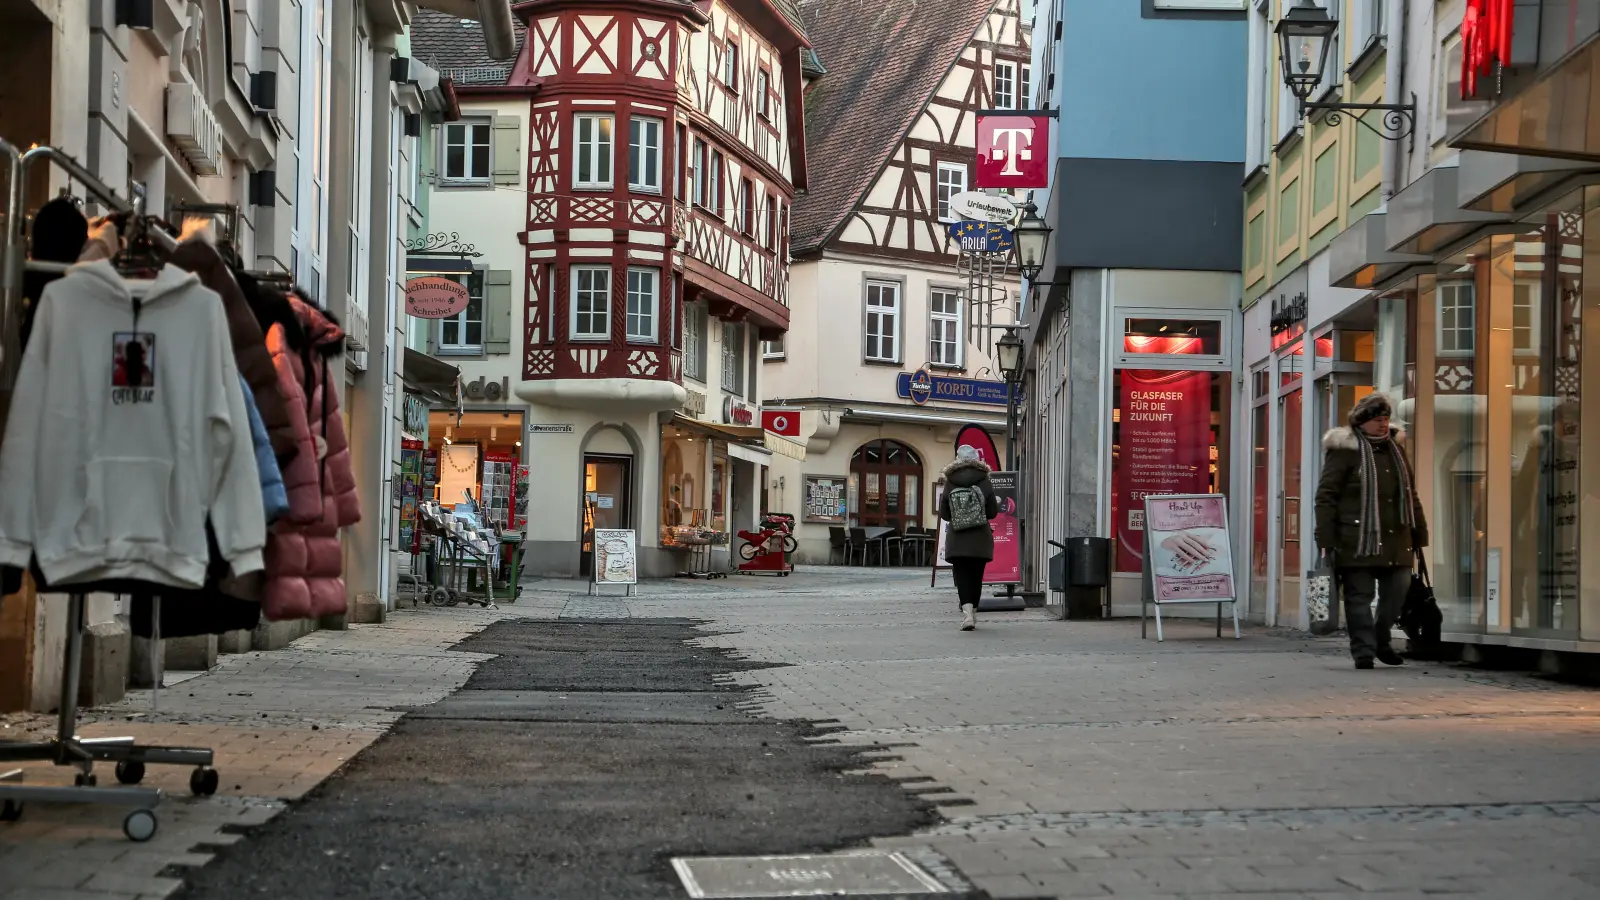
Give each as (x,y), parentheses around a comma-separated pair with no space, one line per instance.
(435,298)
(1013,151)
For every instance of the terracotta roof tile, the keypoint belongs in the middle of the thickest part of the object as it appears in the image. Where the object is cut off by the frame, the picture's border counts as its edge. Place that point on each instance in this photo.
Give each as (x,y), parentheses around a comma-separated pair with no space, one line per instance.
(455,47)
(884,59)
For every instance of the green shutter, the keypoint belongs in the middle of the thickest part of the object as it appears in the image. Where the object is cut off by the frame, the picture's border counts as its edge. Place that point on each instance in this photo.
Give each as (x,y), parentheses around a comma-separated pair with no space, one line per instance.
(497,312)
(507,143)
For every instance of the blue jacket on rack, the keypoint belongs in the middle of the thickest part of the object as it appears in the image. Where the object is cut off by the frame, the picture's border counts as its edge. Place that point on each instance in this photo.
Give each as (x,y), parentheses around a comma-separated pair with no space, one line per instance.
(274,497)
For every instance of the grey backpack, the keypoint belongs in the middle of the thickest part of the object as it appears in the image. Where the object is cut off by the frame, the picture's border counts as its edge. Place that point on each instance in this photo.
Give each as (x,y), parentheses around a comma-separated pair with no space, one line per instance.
(967,509)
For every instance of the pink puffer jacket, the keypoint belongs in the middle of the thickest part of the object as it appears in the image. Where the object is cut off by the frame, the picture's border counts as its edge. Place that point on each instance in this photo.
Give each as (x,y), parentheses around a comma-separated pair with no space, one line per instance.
(303,560)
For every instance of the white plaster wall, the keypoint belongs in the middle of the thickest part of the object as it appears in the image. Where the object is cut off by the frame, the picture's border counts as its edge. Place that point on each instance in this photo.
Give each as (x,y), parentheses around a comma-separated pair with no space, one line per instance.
(826,340)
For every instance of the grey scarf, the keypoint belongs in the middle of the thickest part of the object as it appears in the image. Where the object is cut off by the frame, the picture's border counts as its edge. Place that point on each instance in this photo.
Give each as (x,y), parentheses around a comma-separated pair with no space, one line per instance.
(1370,542)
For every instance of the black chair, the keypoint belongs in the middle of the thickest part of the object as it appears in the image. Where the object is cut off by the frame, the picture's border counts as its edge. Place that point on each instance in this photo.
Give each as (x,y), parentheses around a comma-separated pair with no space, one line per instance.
(894,540)
(838,542)
(915,539)
(859,540)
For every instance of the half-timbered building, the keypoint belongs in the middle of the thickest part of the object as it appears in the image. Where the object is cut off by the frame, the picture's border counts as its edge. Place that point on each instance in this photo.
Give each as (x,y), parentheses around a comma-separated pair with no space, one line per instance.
(627,183)
(881,297)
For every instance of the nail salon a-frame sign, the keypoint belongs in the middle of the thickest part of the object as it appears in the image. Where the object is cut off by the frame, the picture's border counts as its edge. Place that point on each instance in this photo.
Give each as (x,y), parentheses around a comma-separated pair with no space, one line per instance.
(1188,557)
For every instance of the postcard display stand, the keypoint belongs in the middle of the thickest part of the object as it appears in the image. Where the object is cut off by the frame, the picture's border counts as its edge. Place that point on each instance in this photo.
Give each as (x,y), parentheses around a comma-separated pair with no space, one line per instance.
(67,749)
(1187,557)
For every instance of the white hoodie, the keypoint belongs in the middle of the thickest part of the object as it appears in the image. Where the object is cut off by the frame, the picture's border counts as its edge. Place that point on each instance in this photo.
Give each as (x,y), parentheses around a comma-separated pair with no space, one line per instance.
(104,480)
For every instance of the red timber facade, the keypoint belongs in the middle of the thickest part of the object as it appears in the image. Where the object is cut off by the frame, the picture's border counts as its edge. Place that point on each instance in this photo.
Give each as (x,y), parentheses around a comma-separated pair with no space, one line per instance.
(664,151)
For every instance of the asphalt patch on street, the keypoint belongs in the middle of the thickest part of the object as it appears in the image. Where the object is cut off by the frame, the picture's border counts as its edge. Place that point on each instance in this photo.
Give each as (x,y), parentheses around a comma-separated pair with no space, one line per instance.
(576,763)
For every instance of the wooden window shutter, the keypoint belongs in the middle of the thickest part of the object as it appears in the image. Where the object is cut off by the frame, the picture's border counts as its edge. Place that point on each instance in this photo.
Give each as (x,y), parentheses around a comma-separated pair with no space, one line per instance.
(497,311)
(507,144)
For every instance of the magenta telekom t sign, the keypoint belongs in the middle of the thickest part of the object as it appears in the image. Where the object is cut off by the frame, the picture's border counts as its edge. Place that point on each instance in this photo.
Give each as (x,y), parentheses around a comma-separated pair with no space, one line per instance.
(1013,151)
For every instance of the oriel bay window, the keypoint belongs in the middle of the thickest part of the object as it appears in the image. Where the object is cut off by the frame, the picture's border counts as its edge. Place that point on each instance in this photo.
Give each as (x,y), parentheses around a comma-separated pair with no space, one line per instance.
(591,303)
(644,154)
(593,151)
(644,293)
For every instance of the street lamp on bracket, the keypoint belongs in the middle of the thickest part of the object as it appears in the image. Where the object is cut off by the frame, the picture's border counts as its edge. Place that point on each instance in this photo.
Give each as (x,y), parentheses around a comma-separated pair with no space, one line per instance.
(1305,34)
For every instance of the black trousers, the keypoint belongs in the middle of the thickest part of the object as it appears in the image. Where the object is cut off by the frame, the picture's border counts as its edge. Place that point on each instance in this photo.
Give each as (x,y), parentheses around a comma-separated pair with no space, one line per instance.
(1389,584)
(968,575)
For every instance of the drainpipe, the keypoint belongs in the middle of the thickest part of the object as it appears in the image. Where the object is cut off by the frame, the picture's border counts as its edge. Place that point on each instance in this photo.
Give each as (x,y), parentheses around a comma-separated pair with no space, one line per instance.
(495,17)
(1394,78)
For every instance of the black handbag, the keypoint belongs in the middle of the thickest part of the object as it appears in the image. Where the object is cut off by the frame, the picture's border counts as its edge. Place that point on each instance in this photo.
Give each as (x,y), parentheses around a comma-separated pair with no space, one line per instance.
(1420,616)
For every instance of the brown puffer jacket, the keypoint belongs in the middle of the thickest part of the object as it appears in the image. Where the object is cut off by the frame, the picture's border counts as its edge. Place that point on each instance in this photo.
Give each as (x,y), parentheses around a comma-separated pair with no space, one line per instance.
(196,253)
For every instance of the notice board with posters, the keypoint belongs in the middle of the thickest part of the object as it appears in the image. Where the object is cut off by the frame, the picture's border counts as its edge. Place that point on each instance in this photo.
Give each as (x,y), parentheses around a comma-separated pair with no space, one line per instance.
(1188,556)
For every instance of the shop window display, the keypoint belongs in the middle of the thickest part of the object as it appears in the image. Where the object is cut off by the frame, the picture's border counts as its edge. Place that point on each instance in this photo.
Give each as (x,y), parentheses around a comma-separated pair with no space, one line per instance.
(685,503)
(1168,437)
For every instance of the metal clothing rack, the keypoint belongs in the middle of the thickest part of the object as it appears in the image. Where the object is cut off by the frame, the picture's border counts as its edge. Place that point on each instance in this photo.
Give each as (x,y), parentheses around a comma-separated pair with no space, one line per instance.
(67,749)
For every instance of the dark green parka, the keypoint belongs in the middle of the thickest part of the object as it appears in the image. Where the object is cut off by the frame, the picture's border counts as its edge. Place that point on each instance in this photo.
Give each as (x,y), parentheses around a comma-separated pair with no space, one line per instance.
(1339,503)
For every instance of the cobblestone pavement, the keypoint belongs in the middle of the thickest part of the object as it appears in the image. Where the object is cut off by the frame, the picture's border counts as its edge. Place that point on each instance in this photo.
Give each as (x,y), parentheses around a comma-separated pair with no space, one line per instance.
(1075,760)
(1071,759)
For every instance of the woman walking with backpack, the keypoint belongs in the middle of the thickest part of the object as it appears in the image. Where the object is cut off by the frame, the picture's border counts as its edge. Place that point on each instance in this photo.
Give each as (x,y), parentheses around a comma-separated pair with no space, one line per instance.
(968,503)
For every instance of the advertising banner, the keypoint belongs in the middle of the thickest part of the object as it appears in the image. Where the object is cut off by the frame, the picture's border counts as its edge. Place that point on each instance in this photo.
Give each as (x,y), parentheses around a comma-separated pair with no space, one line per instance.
(1006,567)
(921,386)
(1164,448)
(614,559)
(977,437)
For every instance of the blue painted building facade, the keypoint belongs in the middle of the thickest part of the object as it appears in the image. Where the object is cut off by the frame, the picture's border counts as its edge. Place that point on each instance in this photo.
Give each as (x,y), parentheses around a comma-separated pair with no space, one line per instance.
(1149,147)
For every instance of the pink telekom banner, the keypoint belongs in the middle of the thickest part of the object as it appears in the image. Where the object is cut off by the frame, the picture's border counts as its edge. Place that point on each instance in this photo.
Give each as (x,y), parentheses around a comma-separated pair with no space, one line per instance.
(977,437)
(1165,448)
(1006,567)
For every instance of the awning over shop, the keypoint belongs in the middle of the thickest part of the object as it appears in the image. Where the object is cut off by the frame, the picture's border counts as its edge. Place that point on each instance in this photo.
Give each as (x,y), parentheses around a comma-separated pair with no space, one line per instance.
(1509,182)
(756,441)
(1359,258)
(1425,216)
(430,378)
(956,420)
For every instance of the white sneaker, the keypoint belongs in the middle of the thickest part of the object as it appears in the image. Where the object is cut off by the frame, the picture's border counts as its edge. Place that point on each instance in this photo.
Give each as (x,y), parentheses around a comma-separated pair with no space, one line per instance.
(969,617)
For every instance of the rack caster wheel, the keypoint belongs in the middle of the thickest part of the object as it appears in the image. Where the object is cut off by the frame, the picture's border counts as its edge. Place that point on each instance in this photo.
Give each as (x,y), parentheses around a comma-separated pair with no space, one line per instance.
(10,810)
(203,782)
(85,779)
(130,771)
(439,597)
(140,825)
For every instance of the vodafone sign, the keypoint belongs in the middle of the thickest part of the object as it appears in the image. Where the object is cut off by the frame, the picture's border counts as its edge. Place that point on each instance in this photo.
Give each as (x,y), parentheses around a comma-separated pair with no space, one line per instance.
(1013,151)
(784,422)
(435,298)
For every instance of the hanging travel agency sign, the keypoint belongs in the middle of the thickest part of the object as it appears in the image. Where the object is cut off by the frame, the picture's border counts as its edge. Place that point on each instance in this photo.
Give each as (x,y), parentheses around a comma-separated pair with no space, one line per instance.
(1013,150)
(982,237)
(922,386)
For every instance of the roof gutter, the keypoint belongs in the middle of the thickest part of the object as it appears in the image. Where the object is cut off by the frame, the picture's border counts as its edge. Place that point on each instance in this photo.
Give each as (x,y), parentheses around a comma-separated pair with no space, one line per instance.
(499,39)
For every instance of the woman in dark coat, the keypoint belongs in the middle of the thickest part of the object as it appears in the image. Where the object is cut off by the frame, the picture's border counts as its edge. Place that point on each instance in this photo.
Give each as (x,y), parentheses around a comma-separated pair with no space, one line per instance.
(1370,521)
(969,549)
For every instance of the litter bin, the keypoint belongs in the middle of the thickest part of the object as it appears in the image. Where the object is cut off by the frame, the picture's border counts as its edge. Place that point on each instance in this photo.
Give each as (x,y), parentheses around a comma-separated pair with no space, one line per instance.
(1089,562)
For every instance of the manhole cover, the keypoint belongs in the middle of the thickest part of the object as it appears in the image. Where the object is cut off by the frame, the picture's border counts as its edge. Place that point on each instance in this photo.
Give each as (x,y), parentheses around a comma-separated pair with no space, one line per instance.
(841,875)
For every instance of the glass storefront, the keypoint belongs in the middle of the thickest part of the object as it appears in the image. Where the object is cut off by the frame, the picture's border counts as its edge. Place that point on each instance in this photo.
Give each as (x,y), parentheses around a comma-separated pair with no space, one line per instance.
(1499,429)
(1169,431)
(477,456)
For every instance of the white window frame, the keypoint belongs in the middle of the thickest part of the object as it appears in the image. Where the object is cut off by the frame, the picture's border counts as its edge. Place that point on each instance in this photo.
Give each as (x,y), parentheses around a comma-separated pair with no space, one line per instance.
(1005,73)
(1369,17)
(308,237)
(697,174)
(733,356)
(1526,294)
(468,128)
(644,303)
(464,318)
(1025,86)
(360,220)
(597,153)
(1262,77)
(881,320)
(945,188)
(774,349)
(695,334)
(1449,336)
(947,346)
(640,146)
(578,292)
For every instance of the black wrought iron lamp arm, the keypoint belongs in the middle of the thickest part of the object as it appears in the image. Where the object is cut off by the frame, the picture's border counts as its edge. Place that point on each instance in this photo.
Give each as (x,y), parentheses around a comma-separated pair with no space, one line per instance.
(1398,122)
